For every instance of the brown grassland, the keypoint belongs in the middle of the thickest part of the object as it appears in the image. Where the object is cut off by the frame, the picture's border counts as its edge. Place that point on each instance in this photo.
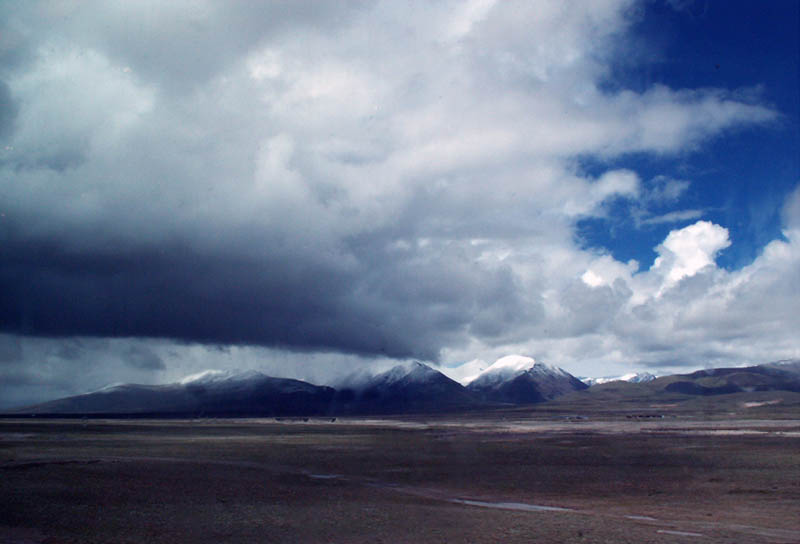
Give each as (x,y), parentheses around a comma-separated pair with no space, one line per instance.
(613,477)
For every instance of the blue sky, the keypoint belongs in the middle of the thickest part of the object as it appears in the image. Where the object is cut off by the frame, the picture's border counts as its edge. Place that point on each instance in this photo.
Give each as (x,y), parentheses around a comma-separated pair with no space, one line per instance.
(312,188)
(742,179)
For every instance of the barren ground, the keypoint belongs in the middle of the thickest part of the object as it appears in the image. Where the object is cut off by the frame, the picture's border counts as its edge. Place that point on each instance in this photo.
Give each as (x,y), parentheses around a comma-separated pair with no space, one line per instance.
(512,477)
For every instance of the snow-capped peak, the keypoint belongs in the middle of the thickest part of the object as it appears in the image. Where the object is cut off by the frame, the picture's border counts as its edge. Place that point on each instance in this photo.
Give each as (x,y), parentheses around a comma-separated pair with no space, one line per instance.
(504,366)
(513,365)
(637,377)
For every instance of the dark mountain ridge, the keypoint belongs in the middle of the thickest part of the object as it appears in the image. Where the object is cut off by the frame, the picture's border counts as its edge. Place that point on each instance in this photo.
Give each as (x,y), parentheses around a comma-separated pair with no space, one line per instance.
(758,387)
(779,376)
(406,389)
(517,379)
(416,388)
(254,394)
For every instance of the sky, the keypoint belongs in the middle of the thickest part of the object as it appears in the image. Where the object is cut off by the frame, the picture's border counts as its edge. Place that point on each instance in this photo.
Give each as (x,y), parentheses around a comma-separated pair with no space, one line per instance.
(315,188)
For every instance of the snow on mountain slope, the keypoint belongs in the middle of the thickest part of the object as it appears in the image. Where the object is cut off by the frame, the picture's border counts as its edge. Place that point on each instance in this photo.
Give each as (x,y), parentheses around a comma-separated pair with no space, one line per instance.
(414,375)
(638,377)
(416,372)
(408,387)
(411,373)
(208,377)
(632,377)
(513,365)
(408,372)
(520,379)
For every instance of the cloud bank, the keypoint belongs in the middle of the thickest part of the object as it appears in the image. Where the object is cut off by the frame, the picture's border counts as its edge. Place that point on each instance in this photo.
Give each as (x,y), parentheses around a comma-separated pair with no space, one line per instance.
(363,180)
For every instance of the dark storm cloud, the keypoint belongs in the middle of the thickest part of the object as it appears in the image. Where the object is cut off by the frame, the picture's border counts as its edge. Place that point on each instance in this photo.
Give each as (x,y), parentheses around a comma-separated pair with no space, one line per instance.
(71,349)
(10,349)
(386,306)
(143,358)
(173,293)
(8,111)
(22,378)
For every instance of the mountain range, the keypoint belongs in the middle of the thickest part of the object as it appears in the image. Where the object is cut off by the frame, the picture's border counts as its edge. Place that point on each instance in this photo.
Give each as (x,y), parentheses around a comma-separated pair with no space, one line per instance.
(410,388)
(722,389)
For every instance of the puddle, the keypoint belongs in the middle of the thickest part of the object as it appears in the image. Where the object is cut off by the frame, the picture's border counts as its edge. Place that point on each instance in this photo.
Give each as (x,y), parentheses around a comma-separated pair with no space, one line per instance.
(512,506)
(325,476)
(679,533)
(765,403)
